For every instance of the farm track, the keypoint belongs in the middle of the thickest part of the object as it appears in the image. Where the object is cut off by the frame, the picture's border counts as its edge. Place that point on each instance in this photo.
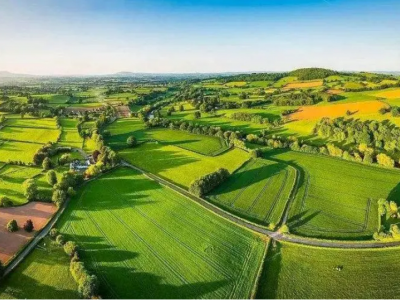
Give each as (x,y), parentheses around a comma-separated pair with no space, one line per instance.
(262,230)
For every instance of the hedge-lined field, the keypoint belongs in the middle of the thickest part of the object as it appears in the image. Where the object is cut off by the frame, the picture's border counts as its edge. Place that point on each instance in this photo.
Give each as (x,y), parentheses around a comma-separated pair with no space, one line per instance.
(11,179)
(121,129)
(44,274)
(146,241)
(337,198)
(292,271)
(70,136)
(21,138)
(259,190)
(179,165)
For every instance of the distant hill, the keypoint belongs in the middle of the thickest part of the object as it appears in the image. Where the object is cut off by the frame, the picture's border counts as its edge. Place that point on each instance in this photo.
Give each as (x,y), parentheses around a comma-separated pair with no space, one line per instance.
(312,73)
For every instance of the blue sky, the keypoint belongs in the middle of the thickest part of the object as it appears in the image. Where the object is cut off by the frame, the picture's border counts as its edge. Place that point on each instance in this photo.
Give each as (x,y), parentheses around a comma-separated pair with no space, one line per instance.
(100,37)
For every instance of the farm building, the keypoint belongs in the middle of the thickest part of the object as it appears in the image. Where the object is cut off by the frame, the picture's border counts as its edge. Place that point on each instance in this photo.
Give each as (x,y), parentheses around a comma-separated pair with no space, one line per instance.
(79,166)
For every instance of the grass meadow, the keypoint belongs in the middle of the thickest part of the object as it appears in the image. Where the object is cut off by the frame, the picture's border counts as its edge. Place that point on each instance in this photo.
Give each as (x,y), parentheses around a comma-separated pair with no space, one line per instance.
(259,190)
(336,198)
(44,274)
(21,138)
(11,179)
(293,271)
(145,241)
(70,136)
(179,165)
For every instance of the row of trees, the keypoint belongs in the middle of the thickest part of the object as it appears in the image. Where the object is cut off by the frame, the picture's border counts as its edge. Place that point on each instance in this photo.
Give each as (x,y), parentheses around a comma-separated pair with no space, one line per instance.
(206,183)
(254,118)
(88,284)
(302,97)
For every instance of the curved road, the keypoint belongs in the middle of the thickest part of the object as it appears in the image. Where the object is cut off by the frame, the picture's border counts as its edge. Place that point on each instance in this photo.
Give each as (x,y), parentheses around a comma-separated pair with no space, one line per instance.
(262,230)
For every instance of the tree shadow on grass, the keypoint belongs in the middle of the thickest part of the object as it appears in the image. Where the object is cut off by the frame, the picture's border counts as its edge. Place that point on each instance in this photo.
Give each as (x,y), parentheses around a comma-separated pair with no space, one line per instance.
(128,283)
(269,280)
(244,179)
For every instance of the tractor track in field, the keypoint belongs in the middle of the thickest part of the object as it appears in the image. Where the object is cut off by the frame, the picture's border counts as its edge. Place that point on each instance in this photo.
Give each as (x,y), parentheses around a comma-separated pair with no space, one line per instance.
(262,230)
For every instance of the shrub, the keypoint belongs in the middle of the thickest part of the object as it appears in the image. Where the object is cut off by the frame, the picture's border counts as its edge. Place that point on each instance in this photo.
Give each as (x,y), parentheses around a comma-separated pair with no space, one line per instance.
(46,164)
(385,160)
(255,153)
(206,183)
(53,233)
(30,189)
(88,286)
(70,248)
(51,177)
(58,197)
(12,226)
(71,192)
(5,202)
(60,239)
(65,158)
(131,141)
(284,229)
(28,226)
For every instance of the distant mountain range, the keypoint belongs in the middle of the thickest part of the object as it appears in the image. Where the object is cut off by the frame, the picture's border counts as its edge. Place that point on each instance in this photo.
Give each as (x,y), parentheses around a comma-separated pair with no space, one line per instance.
(6,74)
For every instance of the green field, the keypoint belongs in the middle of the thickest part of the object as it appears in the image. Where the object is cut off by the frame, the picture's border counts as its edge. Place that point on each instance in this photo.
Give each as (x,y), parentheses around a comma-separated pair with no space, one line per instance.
(300,272)
(259,190)
(179,165)
(70,136)
(337,198)
(11,179)
(44,274)
(21,138)
(146,241)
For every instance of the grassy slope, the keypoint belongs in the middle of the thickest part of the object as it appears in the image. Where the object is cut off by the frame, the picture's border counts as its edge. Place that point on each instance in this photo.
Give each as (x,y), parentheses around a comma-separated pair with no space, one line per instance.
(295,271)
(179,165)
(337,198)
(44,274)
(146,241)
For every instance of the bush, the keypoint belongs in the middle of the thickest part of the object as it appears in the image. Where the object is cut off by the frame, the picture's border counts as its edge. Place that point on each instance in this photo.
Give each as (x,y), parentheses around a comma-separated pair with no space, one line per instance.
(46,165)
(5,202)
(12,226)
(206,183)
(51,177)
(131,141)
(255,153)
(88,286)
(53,233)
(65,158)
(284,229)
(70,248)
(58,197)
(28,226)
(60,240)
(30,189)
(71,192)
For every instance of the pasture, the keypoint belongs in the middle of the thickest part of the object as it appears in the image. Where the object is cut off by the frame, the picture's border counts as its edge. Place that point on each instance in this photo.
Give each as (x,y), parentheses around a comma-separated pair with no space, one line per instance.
(258,190)
(145,241)
(11,179)
(336,198)
(179,165)
(44,274)
(70,136)
(294,271)
(121,129)
(21,138)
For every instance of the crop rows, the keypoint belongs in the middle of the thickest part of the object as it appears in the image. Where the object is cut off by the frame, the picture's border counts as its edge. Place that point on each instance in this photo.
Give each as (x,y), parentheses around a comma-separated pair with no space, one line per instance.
(124,227)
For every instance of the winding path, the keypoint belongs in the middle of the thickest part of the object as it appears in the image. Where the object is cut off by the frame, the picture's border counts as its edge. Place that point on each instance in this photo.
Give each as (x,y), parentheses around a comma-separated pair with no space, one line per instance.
(262,230)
